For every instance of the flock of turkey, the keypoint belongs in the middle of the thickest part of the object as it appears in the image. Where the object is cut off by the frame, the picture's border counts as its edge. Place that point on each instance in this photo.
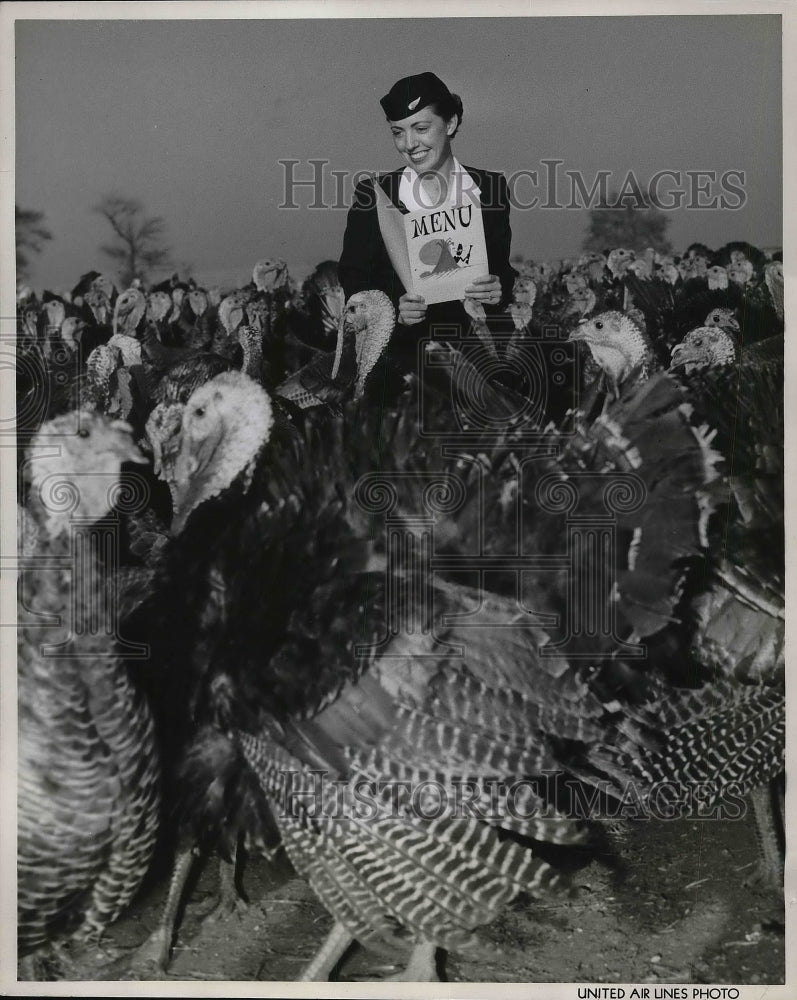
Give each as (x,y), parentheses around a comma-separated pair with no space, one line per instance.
(253,553)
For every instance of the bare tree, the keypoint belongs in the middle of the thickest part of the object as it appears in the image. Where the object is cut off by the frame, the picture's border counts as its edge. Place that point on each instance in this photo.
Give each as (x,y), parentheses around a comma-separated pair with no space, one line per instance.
(635,225)
(139,247)
(31,235)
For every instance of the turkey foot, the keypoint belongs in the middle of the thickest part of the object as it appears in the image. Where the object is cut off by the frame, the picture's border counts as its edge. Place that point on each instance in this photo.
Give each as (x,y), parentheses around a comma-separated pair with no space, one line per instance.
(421,968)
(230,902)
(152,958)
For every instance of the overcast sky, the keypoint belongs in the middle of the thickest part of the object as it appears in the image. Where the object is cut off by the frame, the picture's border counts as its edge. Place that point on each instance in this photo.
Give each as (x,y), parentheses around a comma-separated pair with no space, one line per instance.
(193,118)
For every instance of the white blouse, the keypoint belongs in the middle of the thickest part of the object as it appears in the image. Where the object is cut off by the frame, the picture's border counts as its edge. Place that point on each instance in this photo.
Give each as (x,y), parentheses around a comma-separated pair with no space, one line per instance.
(462,187)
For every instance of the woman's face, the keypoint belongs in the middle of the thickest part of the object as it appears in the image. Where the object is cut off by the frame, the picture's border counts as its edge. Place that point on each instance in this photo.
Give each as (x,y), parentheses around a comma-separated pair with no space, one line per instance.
(423,139)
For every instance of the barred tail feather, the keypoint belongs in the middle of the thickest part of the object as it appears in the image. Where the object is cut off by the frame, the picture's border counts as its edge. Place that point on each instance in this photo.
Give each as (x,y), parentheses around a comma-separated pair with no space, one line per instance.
(740,743)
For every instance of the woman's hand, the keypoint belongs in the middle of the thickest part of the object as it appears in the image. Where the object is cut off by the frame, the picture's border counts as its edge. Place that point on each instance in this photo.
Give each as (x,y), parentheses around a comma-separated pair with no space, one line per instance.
(485,290)
(412,309)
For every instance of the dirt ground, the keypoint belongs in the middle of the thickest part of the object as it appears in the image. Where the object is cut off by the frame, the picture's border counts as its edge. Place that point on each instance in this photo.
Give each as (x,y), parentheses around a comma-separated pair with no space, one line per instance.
(677,903)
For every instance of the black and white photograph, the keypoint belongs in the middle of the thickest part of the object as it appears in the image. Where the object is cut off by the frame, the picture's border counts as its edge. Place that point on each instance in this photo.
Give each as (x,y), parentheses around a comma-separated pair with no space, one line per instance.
(393,458)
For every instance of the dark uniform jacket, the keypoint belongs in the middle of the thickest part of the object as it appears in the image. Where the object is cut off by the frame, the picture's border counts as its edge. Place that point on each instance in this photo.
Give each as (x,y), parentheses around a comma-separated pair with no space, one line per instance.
(364,262)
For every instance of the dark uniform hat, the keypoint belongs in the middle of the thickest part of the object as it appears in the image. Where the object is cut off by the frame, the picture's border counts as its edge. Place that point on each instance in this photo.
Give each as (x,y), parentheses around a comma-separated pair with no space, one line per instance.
(413,93)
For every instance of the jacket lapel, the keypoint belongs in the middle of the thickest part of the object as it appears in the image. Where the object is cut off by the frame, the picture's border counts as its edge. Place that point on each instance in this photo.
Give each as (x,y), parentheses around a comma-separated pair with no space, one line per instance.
(485,193)
(389,183)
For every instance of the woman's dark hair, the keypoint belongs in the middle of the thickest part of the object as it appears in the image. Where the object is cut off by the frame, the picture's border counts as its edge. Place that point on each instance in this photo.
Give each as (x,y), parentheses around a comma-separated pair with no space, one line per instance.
(447,107)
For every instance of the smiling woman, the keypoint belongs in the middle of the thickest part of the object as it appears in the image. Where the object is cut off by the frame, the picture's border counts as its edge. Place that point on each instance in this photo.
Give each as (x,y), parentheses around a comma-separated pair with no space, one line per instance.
(424,116)
(424,139)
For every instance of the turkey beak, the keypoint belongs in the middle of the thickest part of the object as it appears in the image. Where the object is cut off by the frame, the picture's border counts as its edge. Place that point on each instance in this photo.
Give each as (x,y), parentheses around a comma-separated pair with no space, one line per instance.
(360,340)
(136,455)
(342,330)
(194,457)
(680,356)
(578,333)
(179,518)
(157,452)
(128,449)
